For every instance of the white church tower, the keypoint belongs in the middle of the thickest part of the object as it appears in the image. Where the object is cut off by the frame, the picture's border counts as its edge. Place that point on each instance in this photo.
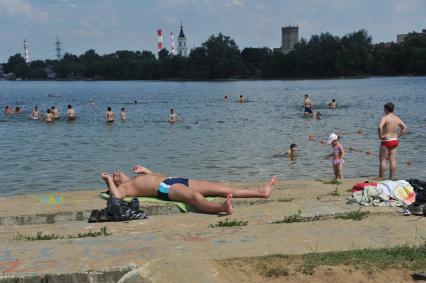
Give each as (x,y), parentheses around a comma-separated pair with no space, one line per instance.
(181,49)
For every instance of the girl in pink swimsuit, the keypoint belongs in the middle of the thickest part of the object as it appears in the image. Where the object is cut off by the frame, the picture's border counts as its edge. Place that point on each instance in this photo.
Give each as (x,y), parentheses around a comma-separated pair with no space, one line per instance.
(338,154)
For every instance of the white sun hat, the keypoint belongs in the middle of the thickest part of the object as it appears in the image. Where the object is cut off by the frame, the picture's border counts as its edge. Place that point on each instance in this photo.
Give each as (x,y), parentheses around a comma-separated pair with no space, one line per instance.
(332,137)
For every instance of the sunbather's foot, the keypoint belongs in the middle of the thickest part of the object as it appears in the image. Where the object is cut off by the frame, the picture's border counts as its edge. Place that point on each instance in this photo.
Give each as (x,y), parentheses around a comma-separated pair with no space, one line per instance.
(266,190)
(227,205)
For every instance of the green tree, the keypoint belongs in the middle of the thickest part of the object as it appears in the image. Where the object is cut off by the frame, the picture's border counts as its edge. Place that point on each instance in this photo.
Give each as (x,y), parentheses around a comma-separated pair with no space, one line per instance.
(223,59)
(17,65)
(354,54)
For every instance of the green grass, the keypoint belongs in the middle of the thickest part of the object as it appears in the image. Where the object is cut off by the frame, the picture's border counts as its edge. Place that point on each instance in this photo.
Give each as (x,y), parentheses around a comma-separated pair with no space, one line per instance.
(297,218)
(334,193)
(332,182)
(45,237)
(229,223)
(292,218)
(354,215)
(406,257)
(38,237)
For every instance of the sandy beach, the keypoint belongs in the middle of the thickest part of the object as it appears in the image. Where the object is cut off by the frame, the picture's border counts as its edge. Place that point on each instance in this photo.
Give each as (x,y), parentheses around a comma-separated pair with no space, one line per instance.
(171,244)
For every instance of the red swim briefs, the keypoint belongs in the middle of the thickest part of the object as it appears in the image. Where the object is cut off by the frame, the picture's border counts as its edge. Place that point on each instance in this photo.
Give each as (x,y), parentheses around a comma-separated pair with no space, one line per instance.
(390,144)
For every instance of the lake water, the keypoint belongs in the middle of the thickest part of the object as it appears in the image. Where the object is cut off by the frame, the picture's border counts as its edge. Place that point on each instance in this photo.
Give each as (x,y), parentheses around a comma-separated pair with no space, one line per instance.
(215,140)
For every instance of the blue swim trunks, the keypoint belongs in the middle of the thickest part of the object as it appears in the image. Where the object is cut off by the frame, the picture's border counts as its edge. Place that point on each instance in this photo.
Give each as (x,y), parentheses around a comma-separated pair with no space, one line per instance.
(308,110)
(163,189)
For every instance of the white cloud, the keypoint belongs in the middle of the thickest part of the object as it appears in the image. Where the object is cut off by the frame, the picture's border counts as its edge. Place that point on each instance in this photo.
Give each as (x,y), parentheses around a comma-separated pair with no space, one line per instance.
(238,2)
(22,8)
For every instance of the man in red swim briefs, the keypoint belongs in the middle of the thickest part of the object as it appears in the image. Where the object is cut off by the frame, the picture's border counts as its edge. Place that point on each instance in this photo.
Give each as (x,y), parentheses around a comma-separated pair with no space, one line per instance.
(388,135)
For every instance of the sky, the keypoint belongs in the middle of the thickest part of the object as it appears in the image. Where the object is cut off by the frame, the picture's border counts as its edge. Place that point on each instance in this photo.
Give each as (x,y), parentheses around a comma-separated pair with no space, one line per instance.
(107,25)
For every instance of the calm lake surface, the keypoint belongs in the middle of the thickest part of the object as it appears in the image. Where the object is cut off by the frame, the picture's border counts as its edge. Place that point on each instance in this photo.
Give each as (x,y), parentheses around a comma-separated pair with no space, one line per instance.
(215,140)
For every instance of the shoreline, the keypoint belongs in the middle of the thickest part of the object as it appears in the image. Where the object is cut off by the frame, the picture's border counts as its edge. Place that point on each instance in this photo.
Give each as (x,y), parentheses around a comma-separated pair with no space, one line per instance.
(226,80)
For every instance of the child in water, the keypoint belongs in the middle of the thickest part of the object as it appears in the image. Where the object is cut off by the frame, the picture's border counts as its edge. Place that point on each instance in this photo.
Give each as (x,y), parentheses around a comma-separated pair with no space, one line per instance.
(338,154)
(123,114)
(291,153)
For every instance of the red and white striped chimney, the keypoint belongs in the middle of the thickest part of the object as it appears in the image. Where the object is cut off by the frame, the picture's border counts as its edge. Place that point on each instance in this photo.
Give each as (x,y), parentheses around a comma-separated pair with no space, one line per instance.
(160,39)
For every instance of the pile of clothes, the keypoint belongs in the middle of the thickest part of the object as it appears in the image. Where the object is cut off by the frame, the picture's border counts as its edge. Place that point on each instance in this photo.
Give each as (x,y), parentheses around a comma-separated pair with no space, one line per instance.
(118,210)
(410,193)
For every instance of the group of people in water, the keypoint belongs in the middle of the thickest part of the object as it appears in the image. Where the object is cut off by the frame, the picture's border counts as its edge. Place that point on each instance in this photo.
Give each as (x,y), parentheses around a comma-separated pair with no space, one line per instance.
(53,114)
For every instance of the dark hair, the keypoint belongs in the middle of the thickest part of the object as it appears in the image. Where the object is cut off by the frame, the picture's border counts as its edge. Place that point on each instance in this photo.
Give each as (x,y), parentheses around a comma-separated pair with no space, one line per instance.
(122,109)
(53,107)
(69,106)
(390,107)
(109,108)
(48,110)
(241,96)
(6,107)
(171,110)
(293,145)
(17,108)
(334,100)
(306,95)
(36,107)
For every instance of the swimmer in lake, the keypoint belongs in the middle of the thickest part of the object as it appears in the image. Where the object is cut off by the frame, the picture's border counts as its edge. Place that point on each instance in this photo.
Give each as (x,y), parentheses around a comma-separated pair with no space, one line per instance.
(242,99)
(55,112)
(8,110)
(173,117)
(123,114)
(291,152)
(48,118)
(72,115)
(332,104)
(317,116)
(307,103)
(150,184)
(35,115)
(225,98)
(18,110)
(109,115)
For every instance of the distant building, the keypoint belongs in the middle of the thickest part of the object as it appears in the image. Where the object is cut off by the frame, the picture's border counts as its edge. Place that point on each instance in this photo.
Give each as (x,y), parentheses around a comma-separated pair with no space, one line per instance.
(400,38)
(1,70)
(289,37)
(182,49)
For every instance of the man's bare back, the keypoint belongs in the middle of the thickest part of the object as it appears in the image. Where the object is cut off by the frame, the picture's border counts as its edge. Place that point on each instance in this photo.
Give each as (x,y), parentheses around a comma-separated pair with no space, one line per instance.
(389,125)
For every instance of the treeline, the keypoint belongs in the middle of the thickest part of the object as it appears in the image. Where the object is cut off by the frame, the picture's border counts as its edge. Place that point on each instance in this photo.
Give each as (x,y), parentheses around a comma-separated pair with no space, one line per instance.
(219,57)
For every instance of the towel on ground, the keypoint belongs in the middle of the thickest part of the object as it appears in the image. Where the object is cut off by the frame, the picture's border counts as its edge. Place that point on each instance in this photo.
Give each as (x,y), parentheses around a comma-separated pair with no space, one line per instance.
(392,193)
(184,207)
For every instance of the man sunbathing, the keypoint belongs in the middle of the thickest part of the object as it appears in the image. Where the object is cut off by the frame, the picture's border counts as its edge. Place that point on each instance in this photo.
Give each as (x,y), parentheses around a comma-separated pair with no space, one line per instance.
(150,184)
